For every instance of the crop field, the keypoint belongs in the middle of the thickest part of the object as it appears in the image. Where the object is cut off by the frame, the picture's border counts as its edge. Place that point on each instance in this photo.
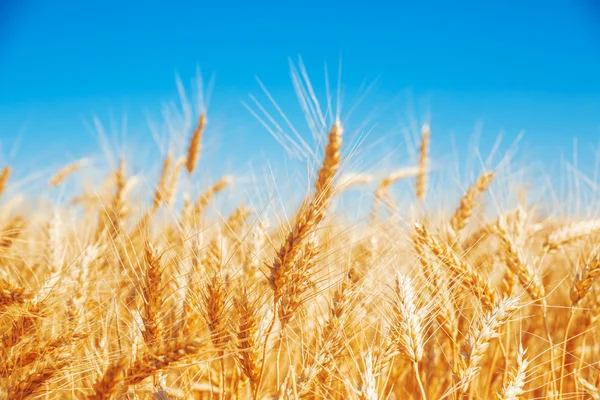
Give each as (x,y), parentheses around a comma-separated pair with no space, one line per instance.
(157,291)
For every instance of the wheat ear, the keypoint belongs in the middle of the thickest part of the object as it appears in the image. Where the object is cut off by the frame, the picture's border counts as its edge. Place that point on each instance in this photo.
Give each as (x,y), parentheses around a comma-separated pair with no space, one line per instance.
(195,143)
(468,277)
(67,170)
(311,215)
(479,338)
(421,182)
(571,233)
(514,389)
(4,176)
(468,201)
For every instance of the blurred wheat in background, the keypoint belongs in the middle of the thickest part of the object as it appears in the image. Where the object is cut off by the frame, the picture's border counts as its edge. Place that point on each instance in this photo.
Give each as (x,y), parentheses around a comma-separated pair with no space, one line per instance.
(108,296)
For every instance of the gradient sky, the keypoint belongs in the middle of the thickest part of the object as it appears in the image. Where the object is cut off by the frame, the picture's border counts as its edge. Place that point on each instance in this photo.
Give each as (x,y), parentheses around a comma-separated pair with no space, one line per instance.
(512,66)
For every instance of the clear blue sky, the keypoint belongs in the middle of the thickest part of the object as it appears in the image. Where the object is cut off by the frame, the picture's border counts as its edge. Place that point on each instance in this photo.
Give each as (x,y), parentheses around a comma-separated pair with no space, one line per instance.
(512,65)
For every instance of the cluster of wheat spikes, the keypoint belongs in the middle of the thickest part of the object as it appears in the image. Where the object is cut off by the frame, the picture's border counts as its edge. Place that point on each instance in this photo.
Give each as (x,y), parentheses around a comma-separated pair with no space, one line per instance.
(123,305)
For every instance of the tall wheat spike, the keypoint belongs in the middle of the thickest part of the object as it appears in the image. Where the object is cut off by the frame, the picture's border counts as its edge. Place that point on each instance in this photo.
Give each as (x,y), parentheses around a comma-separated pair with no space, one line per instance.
(421,183)
(195,144)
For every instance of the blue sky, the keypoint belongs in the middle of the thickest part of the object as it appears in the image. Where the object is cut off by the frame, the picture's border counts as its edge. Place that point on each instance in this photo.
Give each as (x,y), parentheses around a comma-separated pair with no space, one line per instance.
(511,66)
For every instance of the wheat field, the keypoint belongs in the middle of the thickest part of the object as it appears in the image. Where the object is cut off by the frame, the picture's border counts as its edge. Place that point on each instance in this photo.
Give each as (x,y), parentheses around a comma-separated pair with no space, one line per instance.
(106,297)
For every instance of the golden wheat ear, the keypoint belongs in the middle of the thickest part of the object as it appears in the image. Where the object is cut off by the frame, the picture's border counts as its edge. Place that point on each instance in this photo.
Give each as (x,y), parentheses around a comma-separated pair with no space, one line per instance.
(249,357)
(162,181)
(152,295)
(311,214)
(468,201)
(421,182)
(571,233)
(108,385)
(479,338)
(515,387)
(67,170)
(195,144)
(459,268)
(4,177)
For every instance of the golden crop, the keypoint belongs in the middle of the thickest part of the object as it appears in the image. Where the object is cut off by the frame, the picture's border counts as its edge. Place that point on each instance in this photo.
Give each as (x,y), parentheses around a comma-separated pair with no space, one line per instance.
(110,299)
